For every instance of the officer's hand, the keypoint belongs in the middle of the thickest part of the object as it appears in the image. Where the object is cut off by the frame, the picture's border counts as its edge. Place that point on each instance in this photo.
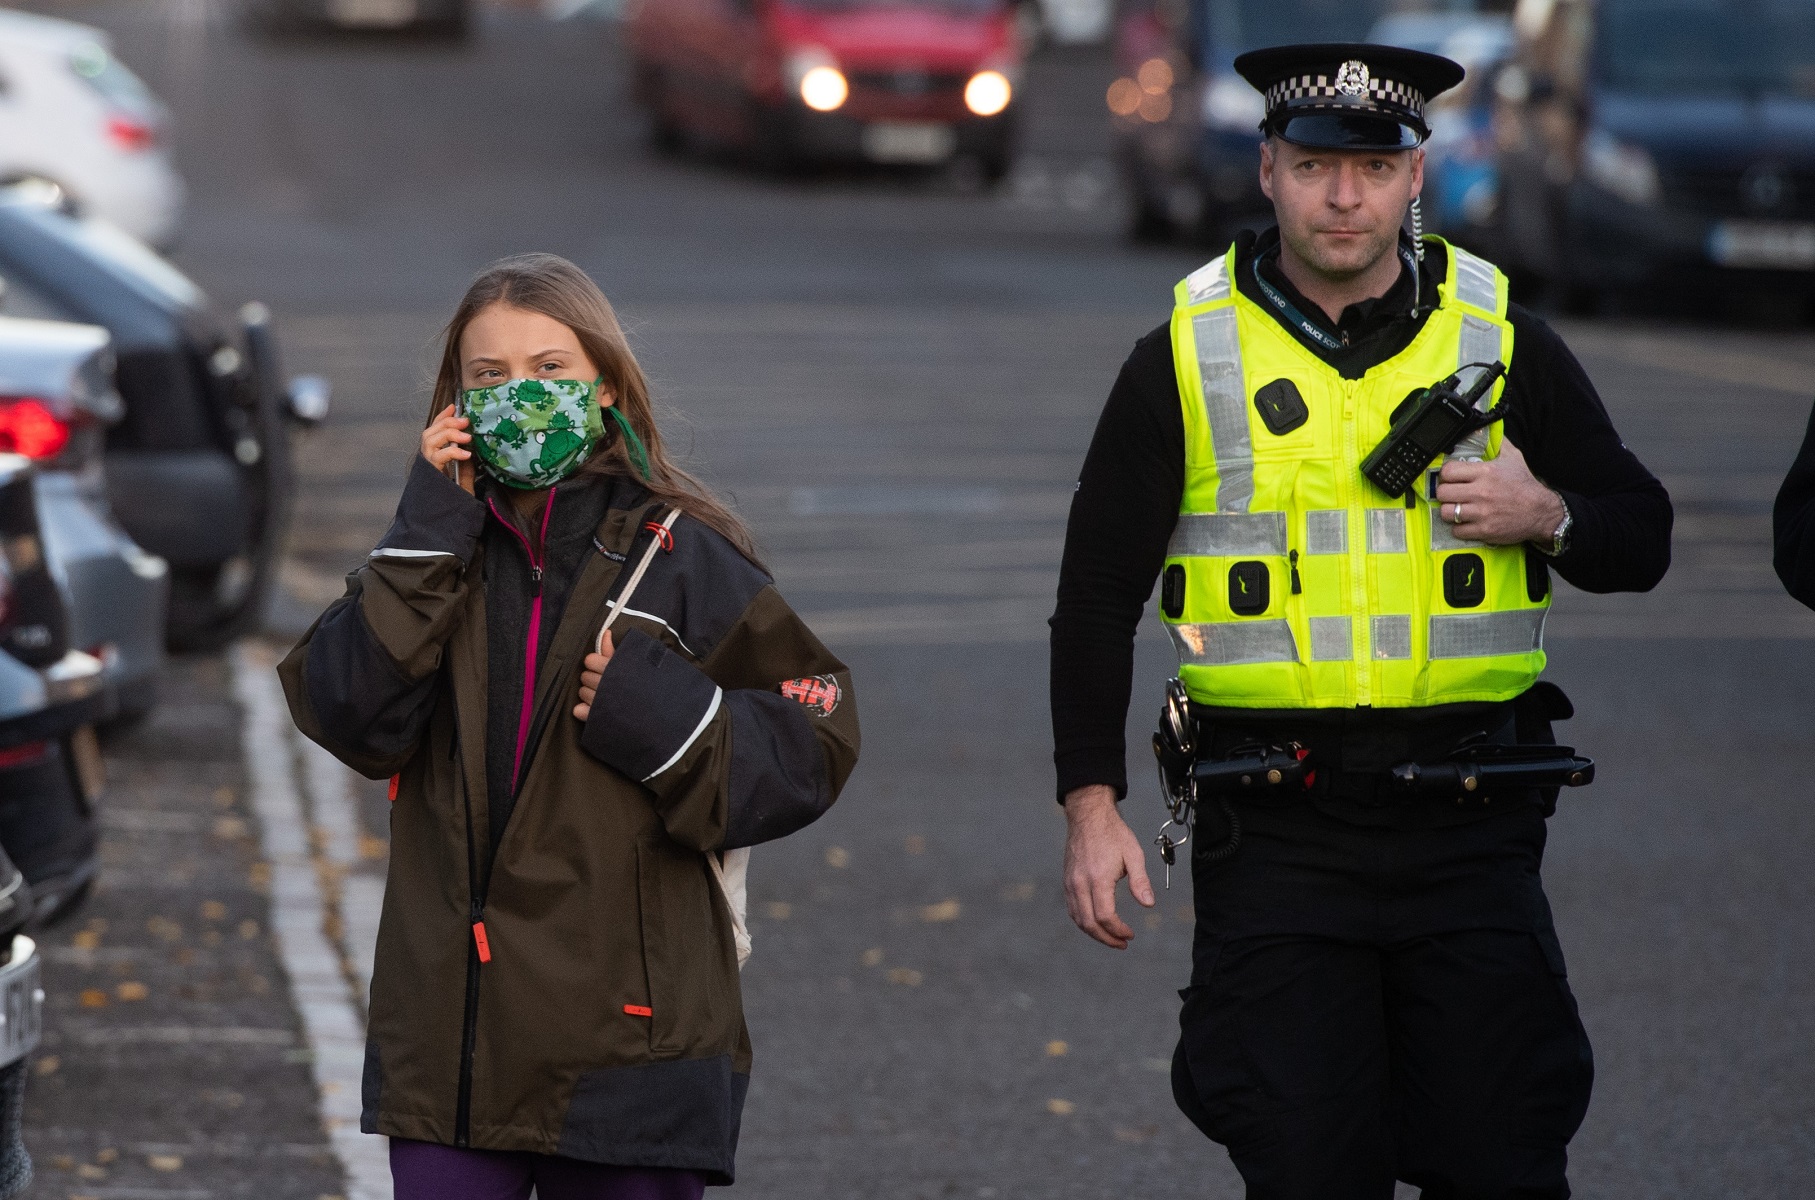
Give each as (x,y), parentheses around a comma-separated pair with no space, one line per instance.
(1099,850)
(1501,502)
(591,667)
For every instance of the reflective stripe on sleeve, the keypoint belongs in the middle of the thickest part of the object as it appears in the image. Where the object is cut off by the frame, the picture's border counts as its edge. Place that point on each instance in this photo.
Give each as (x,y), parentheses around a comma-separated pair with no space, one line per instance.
(1219,360)
(1221,644)
(718,694)
(1480,635)
(400,552)
(1228,535)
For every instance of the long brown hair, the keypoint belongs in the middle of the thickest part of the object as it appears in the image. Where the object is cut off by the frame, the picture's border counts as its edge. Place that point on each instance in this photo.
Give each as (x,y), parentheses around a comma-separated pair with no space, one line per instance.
(550,285)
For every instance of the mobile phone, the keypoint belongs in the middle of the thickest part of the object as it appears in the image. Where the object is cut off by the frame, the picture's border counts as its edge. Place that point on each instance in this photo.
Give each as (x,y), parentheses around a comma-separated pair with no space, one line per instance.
(453,464)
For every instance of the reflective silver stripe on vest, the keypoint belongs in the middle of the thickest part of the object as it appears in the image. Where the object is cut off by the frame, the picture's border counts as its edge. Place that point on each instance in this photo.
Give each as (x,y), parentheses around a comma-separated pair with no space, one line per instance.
(1443,535)
(1386,531)
(1219,360)
(1392,637)
(1478,635)
(1475,281)
(1227,643)
(1479,343)
(1211,282)
(1228,535)
(1327,531)
(1332,639)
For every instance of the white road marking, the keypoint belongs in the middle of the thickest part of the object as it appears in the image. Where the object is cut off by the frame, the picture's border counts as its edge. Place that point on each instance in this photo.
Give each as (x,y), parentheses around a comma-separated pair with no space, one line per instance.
(301,909)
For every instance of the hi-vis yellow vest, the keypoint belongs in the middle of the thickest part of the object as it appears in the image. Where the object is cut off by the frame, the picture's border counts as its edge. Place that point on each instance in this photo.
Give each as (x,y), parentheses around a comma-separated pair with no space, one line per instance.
(1293,582)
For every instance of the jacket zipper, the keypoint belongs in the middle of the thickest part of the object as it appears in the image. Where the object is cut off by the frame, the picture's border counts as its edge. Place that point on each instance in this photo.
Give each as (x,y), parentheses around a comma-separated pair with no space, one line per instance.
(470,1018)
(478,946)
(536,557)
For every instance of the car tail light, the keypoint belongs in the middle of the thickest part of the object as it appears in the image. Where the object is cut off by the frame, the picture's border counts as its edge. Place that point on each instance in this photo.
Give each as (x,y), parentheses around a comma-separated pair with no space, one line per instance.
(29,427)
(131,134)
(22,755)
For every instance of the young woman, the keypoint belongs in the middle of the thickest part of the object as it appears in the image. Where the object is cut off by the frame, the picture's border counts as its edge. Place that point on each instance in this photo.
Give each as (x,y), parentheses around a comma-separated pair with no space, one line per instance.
(555,1003)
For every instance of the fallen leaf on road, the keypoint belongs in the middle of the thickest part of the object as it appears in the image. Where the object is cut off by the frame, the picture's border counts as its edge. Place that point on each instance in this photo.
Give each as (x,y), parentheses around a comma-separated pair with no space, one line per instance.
(90,1171)
(1061,1108)
(259,876)
(248,929)
(164,927)
(47,1065)
(229,829)
(107,1155)
(373,848)
(1057,1049)
(1135,1136)
(872,958)
(166,1162)
(838,857)
(1019,891)
(185,957)
(88,939)
(211,938)
(93,998)
(132,990)
(778,910)
(63,1162)
(945,910)
(915,844)
(213,910)
(223,797)
(906,977)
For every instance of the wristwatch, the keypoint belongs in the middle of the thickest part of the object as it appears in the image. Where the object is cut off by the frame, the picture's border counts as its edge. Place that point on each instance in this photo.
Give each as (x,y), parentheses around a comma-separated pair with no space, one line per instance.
(1559,541)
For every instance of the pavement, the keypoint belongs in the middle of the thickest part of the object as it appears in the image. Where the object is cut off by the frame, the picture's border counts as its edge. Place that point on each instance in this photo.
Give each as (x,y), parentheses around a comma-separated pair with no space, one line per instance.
(895,378)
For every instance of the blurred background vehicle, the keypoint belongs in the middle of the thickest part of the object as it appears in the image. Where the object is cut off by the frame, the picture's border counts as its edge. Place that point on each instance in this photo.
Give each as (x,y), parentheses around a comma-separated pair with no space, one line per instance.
(51,696)
(1661,142)
(1461,197)
(1066,22)
(75,120)
(198,466)
(1187,124)
(57,397)
(442,18)
(22,1003)
(907,82)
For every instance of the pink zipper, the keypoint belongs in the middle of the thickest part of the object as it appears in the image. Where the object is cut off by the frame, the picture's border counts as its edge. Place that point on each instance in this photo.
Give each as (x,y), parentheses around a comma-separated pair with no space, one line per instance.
(534,554)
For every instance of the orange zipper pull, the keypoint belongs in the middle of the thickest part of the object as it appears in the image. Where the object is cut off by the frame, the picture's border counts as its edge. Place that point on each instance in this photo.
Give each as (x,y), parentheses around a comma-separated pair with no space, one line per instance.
(639,1010)
(479,940)
(395,780)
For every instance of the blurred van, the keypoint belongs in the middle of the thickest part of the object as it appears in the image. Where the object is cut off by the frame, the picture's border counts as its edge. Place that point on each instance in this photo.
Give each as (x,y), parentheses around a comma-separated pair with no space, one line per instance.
(77,122)
(911,82)
(1660,142)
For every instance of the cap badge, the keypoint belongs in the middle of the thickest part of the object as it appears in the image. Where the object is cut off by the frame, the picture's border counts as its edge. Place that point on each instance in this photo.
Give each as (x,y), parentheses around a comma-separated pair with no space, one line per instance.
(1352,78)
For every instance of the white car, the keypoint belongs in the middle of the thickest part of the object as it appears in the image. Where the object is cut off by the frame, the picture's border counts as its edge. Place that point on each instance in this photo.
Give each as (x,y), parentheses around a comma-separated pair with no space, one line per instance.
(73,118)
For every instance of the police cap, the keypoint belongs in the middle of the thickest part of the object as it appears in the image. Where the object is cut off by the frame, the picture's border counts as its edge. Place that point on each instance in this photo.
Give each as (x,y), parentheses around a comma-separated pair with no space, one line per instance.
(1348,95)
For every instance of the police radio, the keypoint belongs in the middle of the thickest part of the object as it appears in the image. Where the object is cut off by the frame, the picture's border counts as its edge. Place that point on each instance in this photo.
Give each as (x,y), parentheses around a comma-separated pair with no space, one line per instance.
(1432,425)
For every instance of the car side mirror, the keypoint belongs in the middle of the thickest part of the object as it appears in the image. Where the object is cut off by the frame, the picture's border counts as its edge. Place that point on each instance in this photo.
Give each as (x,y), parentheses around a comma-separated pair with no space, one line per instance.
(308,397)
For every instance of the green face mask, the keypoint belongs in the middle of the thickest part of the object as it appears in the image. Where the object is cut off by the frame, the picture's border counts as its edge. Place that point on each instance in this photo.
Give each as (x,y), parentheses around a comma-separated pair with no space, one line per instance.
(533,433)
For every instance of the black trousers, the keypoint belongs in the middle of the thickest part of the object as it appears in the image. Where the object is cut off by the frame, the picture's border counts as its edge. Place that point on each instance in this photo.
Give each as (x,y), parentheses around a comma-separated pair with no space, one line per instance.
(1376,1004)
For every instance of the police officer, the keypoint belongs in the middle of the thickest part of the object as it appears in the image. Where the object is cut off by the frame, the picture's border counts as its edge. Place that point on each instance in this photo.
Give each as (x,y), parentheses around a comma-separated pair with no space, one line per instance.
(1377,989)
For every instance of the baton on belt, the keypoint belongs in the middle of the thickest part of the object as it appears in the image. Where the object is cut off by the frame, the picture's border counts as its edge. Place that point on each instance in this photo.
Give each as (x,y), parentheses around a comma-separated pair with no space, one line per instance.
(1486,770)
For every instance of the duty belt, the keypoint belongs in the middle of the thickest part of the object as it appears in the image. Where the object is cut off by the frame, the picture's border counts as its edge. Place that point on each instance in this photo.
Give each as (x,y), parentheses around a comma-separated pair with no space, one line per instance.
(1261,770)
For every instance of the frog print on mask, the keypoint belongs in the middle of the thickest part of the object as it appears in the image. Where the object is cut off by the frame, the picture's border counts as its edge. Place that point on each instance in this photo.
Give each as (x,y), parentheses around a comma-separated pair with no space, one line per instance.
(532,433)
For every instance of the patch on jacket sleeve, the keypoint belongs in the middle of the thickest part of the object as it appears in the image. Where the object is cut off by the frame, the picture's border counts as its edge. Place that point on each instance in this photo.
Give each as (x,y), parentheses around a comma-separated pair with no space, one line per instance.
(820,693)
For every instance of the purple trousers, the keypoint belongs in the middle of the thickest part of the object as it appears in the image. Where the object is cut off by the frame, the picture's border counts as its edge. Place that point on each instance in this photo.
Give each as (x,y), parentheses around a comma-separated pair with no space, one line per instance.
(425,1171)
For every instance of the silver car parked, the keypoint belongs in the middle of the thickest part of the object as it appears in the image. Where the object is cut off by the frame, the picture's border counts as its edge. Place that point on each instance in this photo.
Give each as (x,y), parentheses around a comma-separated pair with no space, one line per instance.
(56,398)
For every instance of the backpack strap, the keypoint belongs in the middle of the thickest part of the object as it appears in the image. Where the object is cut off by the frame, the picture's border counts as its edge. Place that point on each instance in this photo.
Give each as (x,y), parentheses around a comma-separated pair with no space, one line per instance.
(662,538)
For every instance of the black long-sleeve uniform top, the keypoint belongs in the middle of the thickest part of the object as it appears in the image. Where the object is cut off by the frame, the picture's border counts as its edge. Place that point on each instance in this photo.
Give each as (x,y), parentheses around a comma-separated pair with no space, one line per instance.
(1129,491)
(1793,523)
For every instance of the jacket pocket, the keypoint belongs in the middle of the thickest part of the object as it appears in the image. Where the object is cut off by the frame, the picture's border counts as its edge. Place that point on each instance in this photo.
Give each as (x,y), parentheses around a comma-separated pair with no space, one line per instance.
(684,956)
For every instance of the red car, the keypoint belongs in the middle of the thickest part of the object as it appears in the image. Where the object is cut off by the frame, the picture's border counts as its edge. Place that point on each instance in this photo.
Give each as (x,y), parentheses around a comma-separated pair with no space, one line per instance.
(888,81)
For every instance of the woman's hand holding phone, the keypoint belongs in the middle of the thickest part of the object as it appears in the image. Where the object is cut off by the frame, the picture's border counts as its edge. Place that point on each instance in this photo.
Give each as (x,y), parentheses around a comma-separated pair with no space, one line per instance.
(590,671)
(442,443)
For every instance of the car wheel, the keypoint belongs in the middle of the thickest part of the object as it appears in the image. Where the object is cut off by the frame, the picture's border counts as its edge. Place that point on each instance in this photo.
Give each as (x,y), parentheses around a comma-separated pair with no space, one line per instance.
(48,827)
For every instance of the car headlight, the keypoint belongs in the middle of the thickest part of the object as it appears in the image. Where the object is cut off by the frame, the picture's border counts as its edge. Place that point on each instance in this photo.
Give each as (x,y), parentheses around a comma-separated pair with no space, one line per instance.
(988,93)
(1231,103)
(813,75)
(1620,167)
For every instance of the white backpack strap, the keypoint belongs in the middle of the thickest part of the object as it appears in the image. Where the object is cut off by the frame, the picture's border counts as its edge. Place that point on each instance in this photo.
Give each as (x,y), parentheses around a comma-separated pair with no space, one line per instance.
(731,871)
(630,586)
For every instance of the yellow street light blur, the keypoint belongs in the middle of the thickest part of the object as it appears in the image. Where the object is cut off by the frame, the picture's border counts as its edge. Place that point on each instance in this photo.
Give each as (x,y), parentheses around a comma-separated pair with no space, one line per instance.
(1124,97)
(988,93)
(1155,76)
(1155,109)
(824,89)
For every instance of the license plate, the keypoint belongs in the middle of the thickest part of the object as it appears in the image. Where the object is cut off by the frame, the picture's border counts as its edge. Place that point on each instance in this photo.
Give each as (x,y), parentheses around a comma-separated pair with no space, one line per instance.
(21,1002)
(908,142)
(380,13)
(1763,244)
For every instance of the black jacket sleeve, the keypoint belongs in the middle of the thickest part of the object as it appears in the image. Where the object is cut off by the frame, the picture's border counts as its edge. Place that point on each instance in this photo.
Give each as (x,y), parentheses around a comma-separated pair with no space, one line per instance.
(1623,517)
(1793,523)
(1122,516)
(361,683)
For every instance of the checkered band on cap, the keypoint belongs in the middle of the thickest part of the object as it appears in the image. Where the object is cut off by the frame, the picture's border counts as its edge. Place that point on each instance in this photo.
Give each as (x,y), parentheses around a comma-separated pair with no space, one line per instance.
(1322,87)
